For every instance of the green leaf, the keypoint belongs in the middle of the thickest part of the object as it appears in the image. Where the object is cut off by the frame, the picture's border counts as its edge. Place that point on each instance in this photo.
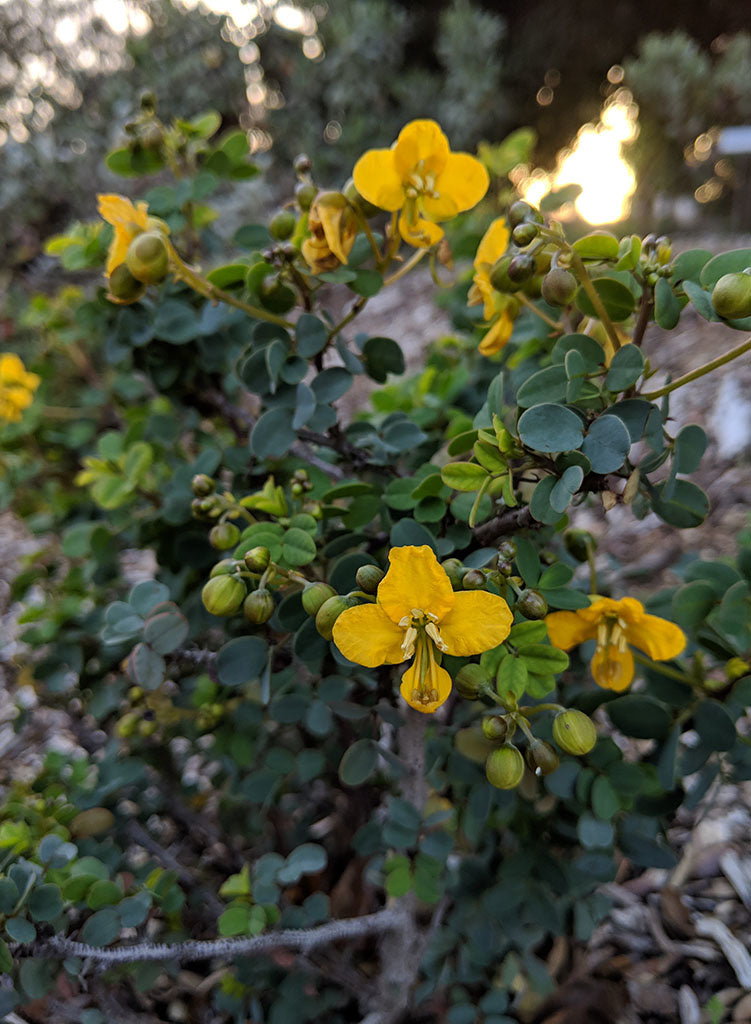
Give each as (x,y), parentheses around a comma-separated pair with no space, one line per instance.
(228,275)
(402,434)
(548,385)
(690,445)
(667,306)
(103,894)
(409,532)
(305,405)
(565,488)
(166,628)
(307,859)
(527,561)
(367,283)
(607,444)
(591,351)
(701,301)
(137,461)
(692,603)
(8,895)
(463,476)
(273,434)
(688,265)
(102,928)
(640,717)
(358,763)
(551,428)
(241,660)
(6,960)
(543,660)
(600,245)
(298,547)
(176,322)
(688,504)
(144,596)
(714,725)
(511,677)
(594,834)
(382,356)
(134,910)
(235,920)
(146,668)
(604,799)
(616,297)
(311,335)
(733,262)
(540,506)
(626,366)
(45,903)
(331,384)
(20,930)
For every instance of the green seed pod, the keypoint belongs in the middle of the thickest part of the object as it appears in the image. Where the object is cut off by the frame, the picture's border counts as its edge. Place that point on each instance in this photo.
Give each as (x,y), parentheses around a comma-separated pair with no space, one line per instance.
(577,543)
(507,550)
(731,296)
(532,605)
(504,767)
(574,731)
(494,727)
(470,680)
(499,276)
(329,612)
(368,577)
(258,606)
(202,485)
(223,595)
(223,568)
(124,288)
(559,287)
(147,258)
(314,595)
(223,536)
(525,233)
(455,572)
(257,559)
(305,193)
(542,756)
(282,225)
(302,164)
(475,579)
(521,268)
(521,211)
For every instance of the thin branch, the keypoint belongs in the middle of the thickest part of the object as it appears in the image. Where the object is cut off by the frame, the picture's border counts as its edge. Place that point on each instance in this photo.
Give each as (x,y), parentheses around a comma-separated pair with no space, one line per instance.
(302,939)
(510,521)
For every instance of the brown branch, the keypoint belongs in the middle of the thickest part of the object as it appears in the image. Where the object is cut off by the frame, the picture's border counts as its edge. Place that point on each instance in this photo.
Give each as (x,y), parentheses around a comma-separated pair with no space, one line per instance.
(510,521)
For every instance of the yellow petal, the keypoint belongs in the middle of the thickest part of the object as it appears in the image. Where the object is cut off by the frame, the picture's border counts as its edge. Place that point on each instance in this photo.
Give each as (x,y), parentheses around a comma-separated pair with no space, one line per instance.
(420,140)
(612,669)
(414,580)
(478,622)
(493,243)
(498,335)
(18,396)
(440,207)
(376,179)
(420,233)
(658,638)
(338,230)
(464,179)
(367,636)
(436,678)
(567,629)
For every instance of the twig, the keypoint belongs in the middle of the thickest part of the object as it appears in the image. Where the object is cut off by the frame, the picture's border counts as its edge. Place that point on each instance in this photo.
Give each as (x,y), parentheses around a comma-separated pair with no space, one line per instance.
(735,952)
(141,837)
(510,521)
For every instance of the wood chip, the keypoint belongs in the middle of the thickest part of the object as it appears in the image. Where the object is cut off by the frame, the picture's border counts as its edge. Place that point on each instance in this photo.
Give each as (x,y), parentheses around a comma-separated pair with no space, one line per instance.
(688,1006)
(738,873)
(735,952)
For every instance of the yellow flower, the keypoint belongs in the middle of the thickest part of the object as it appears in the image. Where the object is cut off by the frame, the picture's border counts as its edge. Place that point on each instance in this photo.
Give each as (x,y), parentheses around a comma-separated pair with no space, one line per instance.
(17,387)
(423,179)
(615,625)
(417,613)
(333,228)
(127,220)
(499,310)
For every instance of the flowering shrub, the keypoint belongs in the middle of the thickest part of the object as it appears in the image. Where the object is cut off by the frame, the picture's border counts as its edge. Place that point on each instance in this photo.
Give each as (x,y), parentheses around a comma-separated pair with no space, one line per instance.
(341,709)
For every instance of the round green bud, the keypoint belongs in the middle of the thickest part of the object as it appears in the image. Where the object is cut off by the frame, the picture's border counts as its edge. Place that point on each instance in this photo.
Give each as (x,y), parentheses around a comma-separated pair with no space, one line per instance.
(282,225)
(521,211)
(542,756)
(533,287)
(525,233)
(578,543)
(300,475)
(521,268)
(202,485)
(731,296)
(258,606)
(314,595)
(494,727)
(257,559)
(559,287)
(499,276)
(470,680)
(124,287)
(532,605)
(147,258)
(663,250)
(302,164)
(276,296)
(297,489)
(223,568)
(329,612)
(368,577)
(305,193)
(504,767)
(223,595)
(735,669)
(128,724)
(223,536)
(574,731)
(366,209)
(147,728)
(507,550)
(135,693)
(475,579)
(505,568)
(455,572)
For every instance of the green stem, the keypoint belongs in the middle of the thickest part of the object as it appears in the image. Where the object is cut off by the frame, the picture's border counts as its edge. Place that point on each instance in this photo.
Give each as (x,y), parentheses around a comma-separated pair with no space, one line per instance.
(665,670)
(357,307)
(406,267)
(528,712)
(538,312)
(713,364)
(586,281)
(369,235)
(592,569)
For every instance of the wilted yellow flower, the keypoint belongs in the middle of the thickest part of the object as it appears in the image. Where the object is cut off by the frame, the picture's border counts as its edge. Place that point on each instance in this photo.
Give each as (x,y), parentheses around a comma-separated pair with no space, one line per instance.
(615,625)
(127,220)
(17,387)
(333,227)
(418,614)
(499,310)
(423,179)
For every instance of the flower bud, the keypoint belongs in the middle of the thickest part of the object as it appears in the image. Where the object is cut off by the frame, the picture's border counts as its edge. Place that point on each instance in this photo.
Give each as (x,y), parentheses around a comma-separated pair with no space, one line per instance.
(282,225)
(202,485)
(128,724)
(470,680)
(123,287)
(494,727)
(521,211)
(559,287)
(314,595)
(504,568)
(257,559)
(223,595)
(507,550)
(223,568)
(366,209)
(499,276)
(368,577)
(329,612)
(574,731)
(731,296)
(223,536)
(664,250)
(736,668)
(532,605)
(147,258)
(524,233)
(504,767)
(521,268)
(578,543)
(455,571)
(135,693)
(541,756)
(305,193)
(302,164)
(296,489)
(474,580)
(275,295)
(258,606)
